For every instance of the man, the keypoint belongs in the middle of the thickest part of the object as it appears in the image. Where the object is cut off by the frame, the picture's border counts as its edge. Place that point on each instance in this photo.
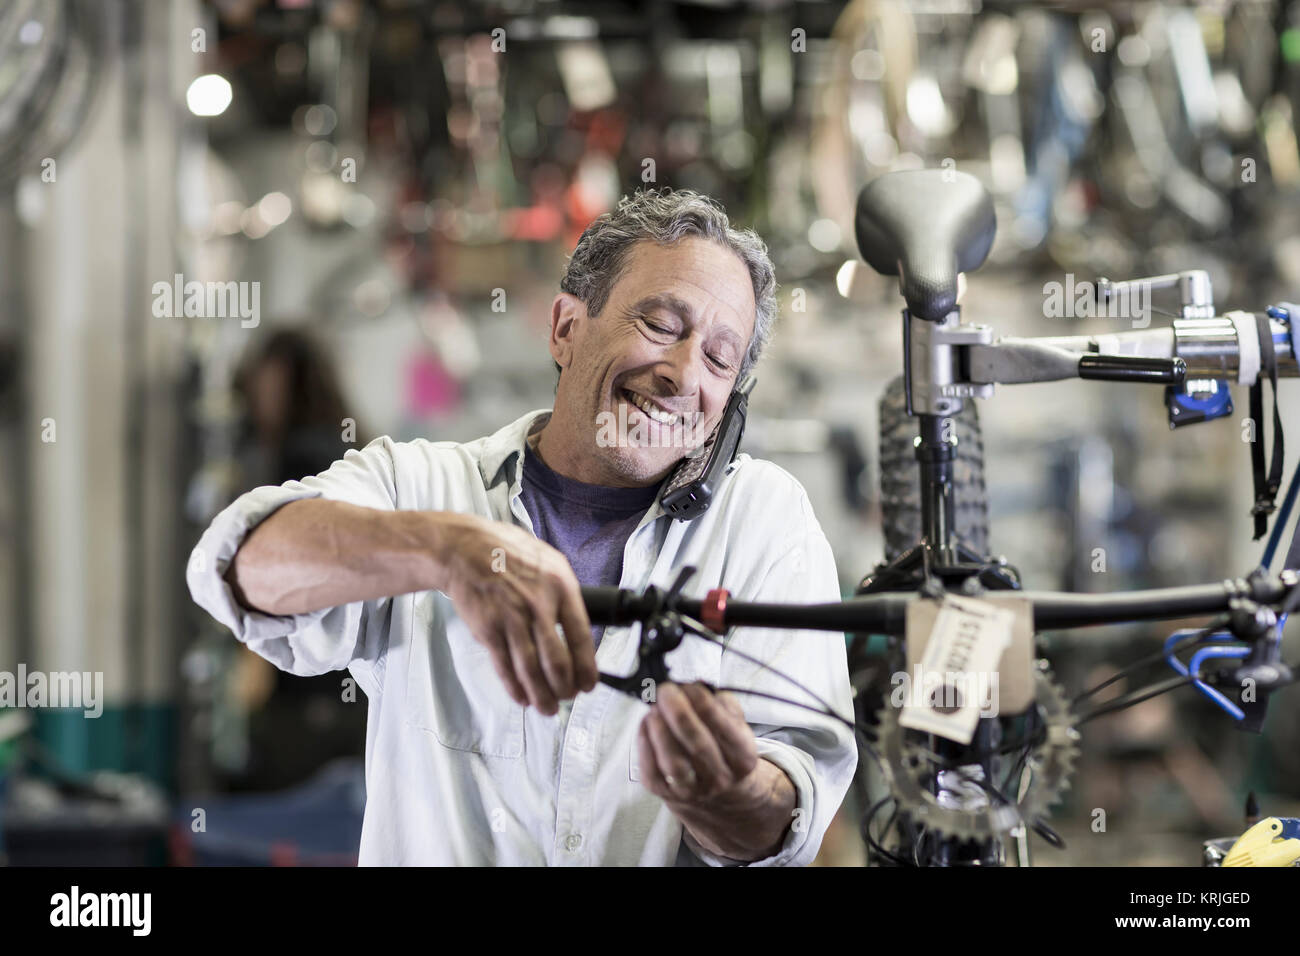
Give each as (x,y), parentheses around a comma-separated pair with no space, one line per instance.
(445,577)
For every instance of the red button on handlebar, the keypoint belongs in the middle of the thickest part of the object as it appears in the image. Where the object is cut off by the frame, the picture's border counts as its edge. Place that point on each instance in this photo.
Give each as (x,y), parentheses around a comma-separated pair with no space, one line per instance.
(713,610)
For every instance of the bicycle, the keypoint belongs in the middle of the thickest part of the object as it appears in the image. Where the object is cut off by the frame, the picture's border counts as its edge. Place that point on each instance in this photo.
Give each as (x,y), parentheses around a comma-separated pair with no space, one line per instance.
(962,797)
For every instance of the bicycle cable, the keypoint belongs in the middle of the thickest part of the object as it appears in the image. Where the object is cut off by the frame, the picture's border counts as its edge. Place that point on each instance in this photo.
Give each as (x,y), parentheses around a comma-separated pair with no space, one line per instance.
(872,843)
(1136,697)
(1156,658)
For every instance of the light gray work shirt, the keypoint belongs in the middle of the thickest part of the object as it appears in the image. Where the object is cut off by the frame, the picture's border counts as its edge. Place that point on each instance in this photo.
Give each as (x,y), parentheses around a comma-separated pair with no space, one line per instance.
(456,771)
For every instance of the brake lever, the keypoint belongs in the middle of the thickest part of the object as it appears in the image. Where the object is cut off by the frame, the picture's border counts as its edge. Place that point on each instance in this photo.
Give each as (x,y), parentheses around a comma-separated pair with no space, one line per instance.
(662,631)
(1261,672)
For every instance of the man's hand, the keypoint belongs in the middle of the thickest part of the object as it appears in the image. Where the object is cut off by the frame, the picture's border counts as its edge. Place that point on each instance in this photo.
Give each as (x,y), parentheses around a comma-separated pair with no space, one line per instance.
(698,754)
(512,589)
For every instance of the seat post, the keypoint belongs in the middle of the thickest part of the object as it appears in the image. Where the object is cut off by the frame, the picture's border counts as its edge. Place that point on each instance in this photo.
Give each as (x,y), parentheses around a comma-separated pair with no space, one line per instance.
(935,452)
(933,398)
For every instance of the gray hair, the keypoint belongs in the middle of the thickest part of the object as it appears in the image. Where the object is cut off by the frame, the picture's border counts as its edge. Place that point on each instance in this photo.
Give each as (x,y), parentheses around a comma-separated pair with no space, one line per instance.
(667,216)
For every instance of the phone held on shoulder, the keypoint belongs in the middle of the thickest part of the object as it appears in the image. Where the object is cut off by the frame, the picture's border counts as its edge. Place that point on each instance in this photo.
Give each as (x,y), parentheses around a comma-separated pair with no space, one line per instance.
(691,487)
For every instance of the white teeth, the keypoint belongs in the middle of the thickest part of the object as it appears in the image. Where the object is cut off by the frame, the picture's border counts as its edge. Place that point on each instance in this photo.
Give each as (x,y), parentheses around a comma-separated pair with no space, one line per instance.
(652,412)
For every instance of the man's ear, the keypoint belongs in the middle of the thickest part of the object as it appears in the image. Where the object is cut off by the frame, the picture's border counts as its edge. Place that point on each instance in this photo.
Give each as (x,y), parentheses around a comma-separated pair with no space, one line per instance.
(567,312)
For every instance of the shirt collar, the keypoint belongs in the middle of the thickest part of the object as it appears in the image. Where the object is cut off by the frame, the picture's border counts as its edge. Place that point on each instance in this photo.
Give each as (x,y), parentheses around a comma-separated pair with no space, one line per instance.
(505,448)
(500,447)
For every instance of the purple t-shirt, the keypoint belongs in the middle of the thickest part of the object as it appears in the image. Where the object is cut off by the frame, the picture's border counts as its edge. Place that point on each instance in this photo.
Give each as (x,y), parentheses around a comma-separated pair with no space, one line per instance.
(588,524)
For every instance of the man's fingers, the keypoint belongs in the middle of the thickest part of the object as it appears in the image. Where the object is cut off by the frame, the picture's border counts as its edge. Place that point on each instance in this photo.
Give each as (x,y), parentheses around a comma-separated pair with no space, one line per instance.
(731,702)
(527,667)
(722,714)
(554,653)
(577,634)
(673,763)
(652,777)
(695,737)
(500,652)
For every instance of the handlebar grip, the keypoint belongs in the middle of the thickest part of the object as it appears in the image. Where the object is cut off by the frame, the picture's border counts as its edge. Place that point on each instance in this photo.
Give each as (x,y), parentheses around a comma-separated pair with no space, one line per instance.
(1133,368)
(619,607)
(603,604)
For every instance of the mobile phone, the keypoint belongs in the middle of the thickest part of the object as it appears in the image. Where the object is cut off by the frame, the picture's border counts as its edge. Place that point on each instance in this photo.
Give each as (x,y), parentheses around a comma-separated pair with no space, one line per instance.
(691,486)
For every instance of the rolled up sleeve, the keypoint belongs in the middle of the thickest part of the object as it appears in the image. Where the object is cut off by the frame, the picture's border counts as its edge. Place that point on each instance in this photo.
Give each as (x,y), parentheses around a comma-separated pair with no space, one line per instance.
(818,754)
(303,644)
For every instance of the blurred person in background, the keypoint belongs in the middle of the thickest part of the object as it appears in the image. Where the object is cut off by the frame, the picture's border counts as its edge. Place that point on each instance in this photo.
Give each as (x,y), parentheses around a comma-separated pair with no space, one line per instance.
(293,425)
(446,578)
(294,410)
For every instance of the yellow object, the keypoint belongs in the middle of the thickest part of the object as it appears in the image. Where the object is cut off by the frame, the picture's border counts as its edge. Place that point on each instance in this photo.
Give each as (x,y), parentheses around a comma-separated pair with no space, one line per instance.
(1260,846)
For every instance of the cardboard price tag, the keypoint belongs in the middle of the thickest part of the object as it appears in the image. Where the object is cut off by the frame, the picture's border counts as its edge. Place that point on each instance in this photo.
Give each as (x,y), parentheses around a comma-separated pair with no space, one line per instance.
(956,679)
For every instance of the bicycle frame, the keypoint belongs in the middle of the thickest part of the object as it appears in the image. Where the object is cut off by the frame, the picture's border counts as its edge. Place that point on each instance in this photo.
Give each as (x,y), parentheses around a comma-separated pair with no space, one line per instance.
(947,363)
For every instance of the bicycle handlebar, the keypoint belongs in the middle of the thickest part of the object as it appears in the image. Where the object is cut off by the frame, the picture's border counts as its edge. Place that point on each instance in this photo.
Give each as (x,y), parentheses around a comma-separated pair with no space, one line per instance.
(887,613)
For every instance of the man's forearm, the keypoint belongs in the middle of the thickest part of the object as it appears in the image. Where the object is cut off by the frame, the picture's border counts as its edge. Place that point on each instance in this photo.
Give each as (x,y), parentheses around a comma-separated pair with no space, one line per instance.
(313,554)
(750,825)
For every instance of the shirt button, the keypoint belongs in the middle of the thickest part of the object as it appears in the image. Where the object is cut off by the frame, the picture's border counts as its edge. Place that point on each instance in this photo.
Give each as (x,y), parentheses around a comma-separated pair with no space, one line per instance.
(580,738)
(572,842)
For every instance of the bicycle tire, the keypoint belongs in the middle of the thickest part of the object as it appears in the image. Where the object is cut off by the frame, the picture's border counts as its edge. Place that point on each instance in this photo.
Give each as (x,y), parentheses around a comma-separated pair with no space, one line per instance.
(900,494)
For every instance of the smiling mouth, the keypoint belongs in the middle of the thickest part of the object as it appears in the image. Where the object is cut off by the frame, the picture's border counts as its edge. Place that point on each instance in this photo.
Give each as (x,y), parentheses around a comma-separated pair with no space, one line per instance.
(651,410)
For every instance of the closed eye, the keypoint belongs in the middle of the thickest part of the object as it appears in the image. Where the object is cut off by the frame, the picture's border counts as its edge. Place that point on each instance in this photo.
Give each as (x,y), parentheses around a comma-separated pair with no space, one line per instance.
(656,326)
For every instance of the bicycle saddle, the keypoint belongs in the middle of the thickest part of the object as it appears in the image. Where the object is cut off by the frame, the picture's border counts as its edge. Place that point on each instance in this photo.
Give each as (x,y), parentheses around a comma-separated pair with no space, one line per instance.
(925,226)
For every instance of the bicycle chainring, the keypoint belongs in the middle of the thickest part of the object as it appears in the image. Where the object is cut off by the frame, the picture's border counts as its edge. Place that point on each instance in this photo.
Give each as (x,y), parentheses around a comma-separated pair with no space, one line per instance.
(1049,766)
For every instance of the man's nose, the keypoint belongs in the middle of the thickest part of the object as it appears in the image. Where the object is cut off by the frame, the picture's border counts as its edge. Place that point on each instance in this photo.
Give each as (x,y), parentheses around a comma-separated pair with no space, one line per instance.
(680,368)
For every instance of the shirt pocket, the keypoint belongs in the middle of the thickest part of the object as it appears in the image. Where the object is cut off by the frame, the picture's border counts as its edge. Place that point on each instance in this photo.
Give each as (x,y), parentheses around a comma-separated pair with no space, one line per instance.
(453,691)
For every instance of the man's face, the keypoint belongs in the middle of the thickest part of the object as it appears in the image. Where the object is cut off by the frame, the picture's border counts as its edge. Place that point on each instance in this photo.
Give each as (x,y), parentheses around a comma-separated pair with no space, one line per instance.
(660,361)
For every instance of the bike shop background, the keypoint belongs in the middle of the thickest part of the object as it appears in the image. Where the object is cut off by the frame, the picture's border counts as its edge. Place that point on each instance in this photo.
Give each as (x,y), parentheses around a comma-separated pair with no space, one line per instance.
(404,193)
